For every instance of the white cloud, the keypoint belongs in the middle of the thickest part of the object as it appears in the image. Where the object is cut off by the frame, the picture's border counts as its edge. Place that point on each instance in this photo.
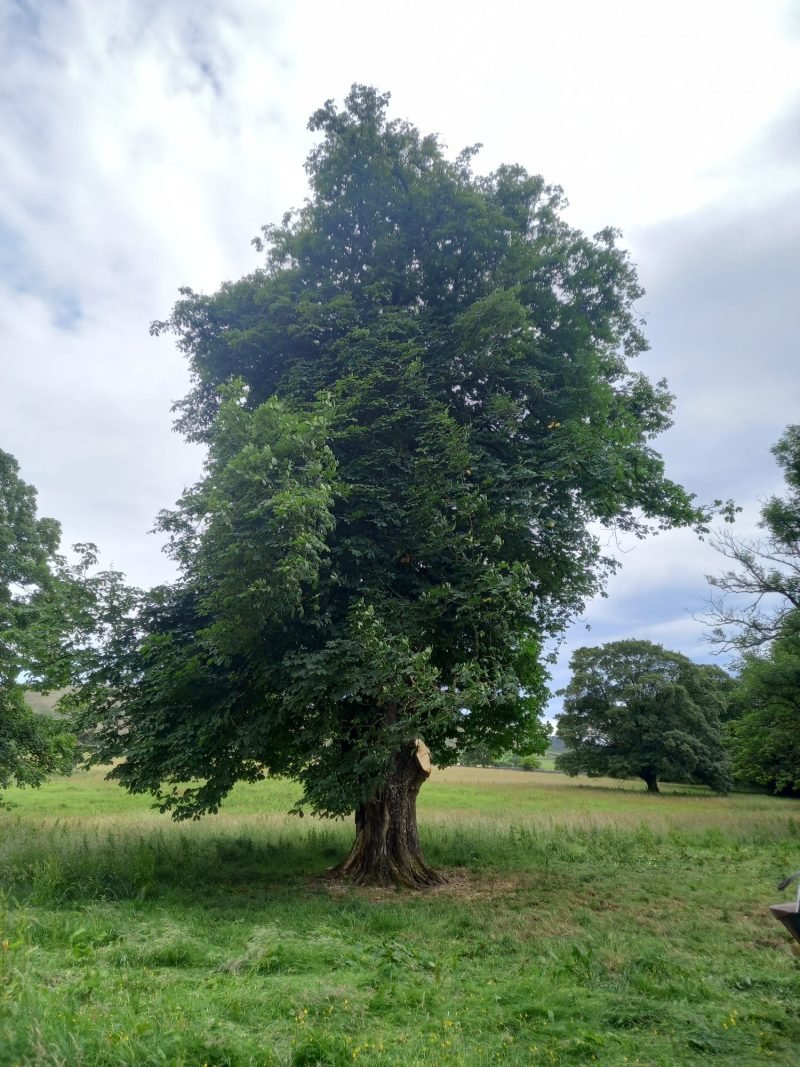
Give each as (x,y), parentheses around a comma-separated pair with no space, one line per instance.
(143,144)
(637,108)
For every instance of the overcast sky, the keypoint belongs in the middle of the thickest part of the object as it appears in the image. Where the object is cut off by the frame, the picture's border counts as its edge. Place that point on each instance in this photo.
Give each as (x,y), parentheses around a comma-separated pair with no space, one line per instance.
(144,142)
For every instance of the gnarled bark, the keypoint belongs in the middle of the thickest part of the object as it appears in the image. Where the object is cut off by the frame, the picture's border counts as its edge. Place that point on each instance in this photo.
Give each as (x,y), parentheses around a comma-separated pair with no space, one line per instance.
(386,850)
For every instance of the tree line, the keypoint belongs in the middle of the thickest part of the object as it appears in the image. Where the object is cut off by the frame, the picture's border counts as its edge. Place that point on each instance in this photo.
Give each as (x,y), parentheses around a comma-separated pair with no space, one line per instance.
(416,412)
(634,709)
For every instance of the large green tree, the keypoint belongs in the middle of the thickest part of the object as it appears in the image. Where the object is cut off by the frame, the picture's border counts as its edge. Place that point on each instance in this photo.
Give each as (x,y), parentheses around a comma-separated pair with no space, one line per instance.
(765,738)
(756,612)
(413,410)
(40,599)
(633,709)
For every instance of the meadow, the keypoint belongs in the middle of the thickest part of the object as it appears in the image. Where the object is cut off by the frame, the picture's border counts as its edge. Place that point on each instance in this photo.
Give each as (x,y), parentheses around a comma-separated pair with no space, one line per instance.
(583,922)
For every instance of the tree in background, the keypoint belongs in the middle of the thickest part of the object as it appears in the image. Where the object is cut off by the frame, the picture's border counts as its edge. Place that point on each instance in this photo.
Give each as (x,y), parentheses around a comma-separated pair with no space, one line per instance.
(635,710)
(758,615)
(413,412)
(40,601)
(762,589)
(765,738)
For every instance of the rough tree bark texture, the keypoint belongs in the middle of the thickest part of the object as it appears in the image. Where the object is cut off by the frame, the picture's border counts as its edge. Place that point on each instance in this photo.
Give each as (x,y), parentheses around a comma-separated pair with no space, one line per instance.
(386,850)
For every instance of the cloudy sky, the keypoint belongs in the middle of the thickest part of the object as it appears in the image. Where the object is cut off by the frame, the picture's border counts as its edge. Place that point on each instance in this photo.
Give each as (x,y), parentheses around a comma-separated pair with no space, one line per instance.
(144,142)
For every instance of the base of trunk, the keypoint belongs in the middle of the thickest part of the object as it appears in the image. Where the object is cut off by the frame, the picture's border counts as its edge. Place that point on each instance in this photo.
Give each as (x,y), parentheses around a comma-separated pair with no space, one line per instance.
(386,850)
(391,867)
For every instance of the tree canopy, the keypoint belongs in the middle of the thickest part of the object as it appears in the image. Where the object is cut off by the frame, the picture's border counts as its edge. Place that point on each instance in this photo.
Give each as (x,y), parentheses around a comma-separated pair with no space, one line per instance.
(765,737)
(413,411)
(38,598)
(633,709)
(757,614)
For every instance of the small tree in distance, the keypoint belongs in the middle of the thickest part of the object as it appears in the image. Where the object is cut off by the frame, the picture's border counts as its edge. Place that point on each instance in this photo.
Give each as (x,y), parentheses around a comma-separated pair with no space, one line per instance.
(413,410)
(635,710)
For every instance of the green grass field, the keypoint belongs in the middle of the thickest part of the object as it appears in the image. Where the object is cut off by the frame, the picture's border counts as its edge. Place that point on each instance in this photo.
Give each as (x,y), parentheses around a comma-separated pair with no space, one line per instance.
(583,923)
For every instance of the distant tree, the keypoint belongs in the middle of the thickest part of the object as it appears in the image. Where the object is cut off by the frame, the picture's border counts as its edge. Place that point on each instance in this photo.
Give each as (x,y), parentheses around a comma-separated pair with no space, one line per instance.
(635,710)
(762,589)
(764,739)
(477,755)
(414,412)
(530,763)
(756,613)
(41,599)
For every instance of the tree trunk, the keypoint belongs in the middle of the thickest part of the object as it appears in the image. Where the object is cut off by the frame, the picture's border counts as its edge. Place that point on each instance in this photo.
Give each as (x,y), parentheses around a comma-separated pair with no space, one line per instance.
(386,850)
(652,784)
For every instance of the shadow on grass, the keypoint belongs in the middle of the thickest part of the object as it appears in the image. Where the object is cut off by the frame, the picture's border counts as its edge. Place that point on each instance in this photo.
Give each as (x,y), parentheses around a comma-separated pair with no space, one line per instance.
(70,862)
(634,786)
(55,863)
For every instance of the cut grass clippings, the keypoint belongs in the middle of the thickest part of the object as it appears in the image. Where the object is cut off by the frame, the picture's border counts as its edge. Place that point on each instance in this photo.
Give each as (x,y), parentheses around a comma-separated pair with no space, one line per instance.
(582,923)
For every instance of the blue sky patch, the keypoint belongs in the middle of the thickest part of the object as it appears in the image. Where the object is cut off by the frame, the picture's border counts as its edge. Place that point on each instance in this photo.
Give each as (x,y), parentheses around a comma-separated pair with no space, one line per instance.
(20,273)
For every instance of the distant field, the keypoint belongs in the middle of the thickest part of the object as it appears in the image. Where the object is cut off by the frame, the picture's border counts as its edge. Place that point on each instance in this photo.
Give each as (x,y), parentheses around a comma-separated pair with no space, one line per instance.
(43,704)
(584,922)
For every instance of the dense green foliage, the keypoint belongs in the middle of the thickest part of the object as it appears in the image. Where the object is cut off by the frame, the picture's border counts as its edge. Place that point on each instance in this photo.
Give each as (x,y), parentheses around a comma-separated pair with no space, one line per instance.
(39,596)
(765,738)
(634,709)
(413,412)
(757,614)
(580,922)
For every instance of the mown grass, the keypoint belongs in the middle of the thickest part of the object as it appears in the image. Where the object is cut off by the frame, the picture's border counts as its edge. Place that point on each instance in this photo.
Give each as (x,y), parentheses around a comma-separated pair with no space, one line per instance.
(583,923)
